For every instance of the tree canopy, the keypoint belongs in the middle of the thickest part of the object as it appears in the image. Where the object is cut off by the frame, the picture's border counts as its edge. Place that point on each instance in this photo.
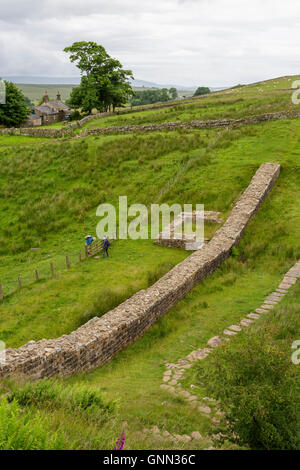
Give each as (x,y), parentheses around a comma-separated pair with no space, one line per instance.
(202,90)
(153,96)
(104,83)
(15,110)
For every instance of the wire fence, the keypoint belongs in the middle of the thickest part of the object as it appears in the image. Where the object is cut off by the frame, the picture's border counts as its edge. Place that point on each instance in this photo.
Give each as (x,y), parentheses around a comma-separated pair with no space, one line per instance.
(49,269)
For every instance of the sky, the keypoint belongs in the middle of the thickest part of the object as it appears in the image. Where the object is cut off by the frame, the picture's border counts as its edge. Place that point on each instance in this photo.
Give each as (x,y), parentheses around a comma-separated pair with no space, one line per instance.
(186,42)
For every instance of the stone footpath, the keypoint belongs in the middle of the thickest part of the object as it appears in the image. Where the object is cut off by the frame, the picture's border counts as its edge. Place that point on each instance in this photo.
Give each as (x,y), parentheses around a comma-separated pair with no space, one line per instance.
(175,371)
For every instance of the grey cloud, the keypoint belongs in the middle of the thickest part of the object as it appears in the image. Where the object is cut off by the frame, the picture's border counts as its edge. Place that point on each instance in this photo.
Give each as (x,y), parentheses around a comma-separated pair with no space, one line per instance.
(212,42)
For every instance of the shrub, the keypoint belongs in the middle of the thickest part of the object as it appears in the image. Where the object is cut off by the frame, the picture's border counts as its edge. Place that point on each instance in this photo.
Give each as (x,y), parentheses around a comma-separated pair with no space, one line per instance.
(75,115)
(76,399)
(21,430)
(257,389)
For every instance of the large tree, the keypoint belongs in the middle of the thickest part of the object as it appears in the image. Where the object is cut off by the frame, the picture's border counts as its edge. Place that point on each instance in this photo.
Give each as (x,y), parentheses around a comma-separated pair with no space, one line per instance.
(202,90)
(173,92)
(151,96)
(104,83)
(14,111)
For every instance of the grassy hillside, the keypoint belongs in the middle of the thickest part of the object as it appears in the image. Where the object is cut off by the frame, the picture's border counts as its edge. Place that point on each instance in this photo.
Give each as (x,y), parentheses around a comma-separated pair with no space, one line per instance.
(36,92)
(264,97)
(48,196)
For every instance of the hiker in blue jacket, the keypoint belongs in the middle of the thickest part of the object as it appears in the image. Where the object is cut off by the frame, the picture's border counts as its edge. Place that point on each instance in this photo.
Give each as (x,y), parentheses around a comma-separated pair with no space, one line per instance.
(106,244)
(88,240)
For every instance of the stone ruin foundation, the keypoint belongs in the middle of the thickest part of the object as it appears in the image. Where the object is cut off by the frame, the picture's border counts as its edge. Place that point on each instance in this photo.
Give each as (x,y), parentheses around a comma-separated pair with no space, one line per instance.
(172,235)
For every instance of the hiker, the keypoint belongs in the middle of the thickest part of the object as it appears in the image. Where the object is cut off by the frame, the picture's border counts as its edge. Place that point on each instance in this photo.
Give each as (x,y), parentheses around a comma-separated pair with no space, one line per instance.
(88,240)
(106,244)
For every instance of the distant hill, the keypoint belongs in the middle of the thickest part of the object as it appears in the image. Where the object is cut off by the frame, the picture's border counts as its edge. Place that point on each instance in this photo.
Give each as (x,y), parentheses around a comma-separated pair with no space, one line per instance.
(33,80)
(33,86)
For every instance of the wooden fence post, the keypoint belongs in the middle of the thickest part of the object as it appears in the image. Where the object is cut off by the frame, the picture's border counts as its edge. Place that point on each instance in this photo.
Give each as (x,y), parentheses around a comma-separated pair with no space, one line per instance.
(36,274)
(20,282)
(80,258)
(68,261)
(1,293)
(52,268)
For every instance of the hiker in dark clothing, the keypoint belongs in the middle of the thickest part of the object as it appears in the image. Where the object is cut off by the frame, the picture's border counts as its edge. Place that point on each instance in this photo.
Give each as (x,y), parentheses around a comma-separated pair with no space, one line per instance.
(106,245)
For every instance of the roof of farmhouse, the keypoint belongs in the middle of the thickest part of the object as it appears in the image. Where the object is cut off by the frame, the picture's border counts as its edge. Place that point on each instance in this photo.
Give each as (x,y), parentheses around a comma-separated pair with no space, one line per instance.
(45,109)
(56,105)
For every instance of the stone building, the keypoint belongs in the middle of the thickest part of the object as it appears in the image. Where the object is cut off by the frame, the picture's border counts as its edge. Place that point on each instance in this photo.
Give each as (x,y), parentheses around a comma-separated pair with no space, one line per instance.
(48,112)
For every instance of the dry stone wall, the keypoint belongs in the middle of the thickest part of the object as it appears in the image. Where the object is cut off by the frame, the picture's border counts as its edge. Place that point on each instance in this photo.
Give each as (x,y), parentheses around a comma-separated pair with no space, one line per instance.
(10,131)
(96,342)
(171,126)
(47,132)
(165,126)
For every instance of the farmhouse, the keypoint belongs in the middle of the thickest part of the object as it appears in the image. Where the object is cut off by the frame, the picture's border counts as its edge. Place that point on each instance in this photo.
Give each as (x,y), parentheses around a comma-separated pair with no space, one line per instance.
(48,112)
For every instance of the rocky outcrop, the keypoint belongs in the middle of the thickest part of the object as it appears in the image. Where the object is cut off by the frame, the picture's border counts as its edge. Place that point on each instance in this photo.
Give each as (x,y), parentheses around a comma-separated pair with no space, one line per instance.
(96,342)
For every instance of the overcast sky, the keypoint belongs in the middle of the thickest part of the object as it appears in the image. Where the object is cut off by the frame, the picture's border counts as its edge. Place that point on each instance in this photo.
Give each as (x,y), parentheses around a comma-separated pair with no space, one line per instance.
(187,42)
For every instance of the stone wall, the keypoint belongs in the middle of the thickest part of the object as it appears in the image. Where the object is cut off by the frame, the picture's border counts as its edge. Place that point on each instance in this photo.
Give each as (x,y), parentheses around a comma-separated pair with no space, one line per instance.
(96,342)
(165,126)
(46,132)
(10,131)
(171,126)
(90,117)
(173,234)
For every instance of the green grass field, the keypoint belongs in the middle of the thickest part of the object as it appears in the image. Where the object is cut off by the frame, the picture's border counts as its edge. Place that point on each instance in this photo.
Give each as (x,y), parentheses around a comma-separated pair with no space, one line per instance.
(36,92)
(49,192)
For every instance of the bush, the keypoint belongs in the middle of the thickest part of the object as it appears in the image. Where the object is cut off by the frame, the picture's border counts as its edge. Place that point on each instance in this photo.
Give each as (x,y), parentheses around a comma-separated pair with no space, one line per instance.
(75,399)
(15,110)
(202,90)
(258,391)
(75,116)
(21,430)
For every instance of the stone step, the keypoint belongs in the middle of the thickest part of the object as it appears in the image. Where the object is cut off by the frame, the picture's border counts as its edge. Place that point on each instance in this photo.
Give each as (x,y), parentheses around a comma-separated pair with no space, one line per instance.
(246,322)
(261,310)
(274,298)
(229,333)
(271,302)
(235,328)
(284,285)
(277,294)
(267,307)
(214,342)
(290,280)
(253,316)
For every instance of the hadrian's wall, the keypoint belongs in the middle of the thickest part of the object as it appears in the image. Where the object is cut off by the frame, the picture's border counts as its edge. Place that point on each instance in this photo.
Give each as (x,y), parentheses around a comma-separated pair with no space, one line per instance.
(96,342)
